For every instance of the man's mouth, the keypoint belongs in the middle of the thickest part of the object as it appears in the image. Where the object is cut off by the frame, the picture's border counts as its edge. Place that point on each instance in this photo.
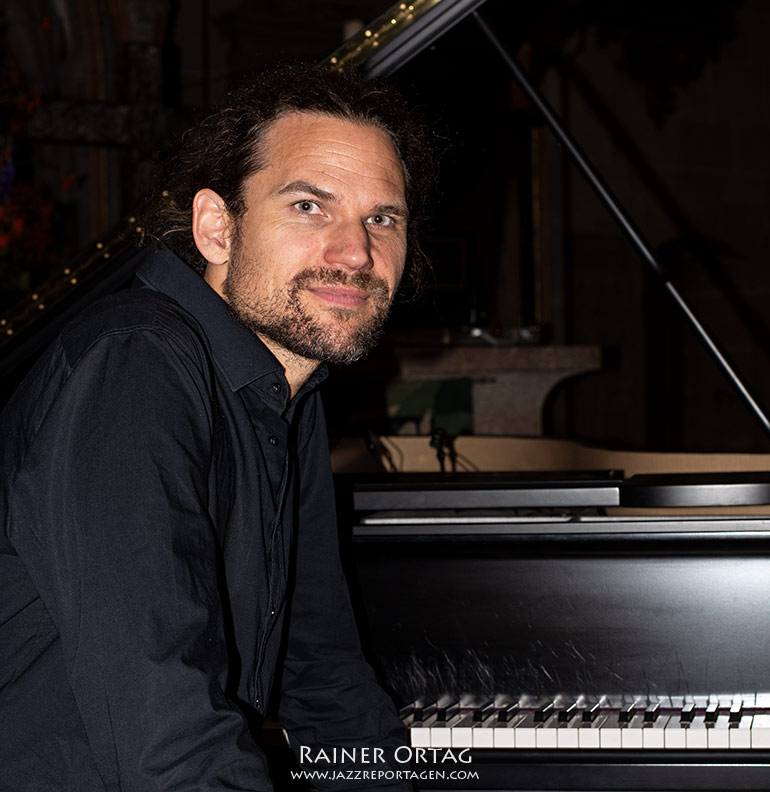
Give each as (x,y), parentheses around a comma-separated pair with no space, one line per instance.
(339,296)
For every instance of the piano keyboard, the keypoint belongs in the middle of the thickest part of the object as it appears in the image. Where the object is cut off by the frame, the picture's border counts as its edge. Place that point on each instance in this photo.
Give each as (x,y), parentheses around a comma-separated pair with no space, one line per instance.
(730,722)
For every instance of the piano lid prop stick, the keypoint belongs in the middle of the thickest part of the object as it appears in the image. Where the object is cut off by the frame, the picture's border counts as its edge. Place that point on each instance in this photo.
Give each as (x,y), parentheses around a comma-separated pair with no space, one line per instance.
(623,219)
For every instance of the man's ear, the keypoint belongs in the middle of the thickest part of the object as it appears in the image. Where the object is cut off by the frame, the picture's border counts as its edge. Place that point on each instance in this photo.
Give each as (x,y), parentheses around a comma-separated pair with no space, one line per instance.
(211,227)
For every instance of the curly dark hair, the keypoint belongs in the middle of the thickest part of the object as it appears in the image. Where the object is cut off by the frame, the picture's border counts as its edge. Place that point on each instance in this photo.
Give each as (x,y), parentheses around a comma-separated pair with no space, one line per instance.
(226,147)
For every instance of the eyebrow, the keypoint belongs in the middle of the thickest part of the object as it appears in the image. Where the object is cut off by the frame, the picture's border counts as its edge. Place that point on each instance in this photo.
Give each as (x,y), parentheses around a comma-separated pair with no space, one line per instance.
(311,189)
(399,210)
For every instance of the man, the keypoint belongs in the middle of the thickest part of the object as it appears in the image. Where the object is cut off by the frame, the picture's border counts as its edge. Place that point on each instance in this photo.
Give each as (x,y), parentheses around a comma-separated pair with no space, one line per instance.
(169,563)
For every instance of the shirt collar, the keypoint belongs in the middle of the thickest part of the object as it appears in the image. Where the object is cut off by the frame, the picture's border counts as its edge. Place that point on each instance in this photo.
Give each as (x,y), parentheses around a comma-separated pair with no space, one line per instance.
(240,353)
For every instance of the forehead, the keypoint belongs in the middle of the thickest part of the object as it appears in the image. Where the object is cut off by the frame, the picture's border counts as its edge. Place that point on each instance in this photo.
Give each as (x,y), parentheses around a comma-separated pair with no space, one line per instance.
(335,151)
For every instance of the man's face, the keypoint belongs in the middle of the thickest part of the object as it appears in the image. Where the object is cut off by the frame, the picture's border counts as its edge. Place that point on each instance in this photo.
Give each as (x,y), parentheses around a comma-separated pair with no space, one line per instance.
(321,246)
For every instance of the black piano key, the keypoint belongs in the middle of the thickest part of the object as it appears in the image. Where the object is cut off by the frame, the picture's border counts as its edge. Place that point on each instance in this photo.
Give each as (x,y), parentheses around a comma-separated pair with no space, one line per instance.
(736,710)
(592,710)
(544,712)
(652,711)
(422,711)
(712,711)
(569,712)
(687,713)
(508,713)
(481,713)
(627,712)
(446,711)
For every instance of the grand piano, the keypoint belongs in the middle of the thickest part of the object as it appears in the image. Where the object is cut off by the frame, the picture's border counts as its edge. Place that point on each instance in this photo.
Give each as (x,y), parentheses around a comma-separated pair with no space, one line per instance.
(573,631)
(548,628)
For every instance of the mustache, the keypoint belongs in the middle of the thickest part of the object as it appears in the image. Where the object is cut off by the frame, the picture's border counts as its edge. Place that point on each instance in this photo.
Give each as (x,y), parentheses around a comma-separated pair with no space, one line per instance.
(371,284)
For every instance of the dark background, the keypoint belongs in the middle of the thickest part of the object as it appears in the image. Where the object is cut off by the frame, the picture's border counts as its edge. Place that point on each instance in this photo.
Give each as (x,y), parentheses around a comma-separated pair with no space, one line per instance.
(668,99)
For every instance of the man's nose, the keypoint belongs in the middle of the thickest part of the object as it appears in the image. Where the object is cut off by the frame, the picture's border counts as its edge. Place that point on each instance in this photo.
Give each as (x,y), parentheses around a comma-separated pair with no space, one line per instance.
(349,246)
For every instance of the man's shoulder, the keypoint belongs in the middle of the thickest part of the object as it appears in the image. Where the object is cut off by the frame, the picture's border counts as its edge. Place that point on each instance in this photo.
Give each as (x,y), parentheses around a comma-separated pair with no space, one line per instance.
(154,316)
(128,341)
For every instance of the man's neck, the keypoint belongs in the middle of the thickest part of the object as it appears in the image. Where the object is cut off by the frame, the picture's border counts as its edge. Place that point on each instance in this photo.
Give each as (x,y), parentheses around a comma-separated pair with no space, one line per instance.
(296,369)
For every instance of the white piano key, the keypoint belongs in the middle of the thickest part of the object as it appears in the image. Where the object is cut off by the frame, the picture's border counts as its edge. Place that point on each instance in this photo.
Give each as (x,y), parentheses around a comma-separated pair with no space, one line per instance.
(462,732)
(718,735)
(483,734)
(760,731)
(589,733)
(696,737)
(525,732)
(420,736)
(610,733)
(725,702)
(462,737)
(653,734)
(674,735)
(740,733)
(545,735)
(632,734)
(567,734)
(762,701)
(441,736)
(504,735)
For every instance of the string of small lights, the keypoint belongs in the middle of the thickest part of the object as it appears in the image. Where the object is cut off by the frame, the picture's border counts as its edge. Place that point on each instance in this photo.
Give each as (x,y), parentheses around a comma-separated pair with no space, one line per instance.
(385,28)
(352,53)
(48,294)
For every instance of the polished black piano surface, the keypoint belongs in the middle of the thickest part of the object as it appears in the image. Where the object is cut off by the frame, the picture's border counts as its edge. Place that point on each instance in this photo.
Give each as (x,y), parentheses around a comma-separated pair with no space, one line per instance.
(565,647)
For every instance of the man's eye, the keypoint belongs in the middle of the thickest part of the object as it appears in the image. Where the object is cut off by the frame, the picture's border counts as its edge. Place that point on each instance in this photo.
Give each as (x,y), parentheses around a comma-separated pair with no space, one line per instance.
(308,207)
(381,220)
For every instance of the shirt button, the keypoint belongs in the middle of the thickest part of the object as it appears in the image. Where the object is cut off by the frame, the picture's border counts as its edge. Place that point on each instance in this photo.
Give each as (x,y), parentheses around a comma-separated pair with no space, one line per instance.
(273,440)
(275,388)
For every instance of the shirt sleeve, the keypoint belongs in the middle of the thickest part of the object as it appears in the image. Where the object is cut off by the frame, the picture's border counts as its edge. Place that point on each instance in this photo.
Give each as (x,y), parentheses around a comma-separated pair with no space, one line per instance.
(109,514)
(329,695)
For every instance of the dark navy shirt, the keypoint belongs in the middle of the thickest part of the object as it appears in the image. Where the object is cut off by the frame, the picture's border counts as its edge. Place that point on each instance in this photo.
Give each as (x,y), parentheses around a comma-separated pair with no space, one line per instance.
(169,550)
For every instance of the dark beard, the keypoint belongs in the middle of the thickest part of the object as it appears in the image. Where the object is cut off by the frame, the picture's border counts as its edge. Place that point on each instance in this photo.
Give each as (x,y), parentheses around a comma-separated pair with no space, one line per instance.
(297,331)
